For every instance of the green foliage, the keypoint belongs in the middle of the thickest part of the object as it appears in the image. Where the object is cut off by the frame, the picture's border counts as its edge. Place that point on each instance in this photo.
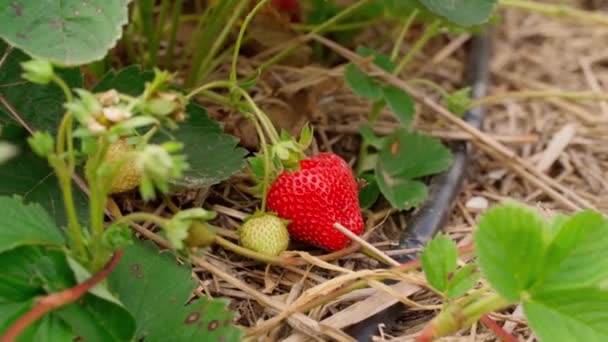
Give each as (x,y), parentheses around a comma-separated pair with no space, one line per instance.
(462,12)
(560,278)
(511,242)
(405,157)
(41,106)
(66,32)
(439,263)
(400,103)
(439,259)
(26,225)
(155,289)
(30,271)
(212,154)
(362,84)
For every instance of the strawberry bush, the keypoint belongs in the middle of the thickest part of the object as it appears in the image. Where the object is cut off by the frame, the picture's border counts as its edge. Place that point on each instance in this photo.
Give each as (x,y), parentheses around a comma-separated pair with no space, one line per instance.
(93,116)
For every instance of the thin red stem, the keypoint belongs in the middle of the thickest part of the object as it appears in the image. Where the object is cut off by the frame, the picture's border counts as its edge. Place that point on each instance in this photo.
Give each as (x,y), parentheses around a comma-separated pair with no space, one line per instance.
(497,329)
(59,299)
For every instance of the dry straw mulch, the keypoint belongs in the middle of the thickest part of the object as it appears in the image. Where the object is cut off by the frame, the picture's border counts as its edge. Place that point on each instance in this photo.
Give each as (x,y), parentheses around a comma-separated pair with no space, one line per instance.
(548,152)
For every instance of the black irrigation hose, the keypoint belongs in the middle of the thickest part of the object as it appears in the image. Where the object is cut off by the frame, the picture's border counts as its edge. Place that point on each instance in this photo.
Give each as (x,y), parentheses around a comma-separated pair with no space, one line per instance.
(444,189)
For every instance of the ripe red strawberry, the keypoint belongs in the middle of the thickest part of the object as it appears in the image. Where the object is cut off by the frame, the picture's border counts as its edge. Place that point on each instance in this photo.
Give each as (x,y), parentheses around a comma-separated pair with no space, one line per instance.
(324,191)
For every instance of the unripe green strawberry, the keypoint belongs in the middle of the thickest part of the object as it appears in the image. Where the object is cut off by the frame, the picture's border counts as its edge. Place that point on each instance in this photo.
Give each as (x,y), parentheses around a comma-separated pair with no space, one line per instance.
(128,177)
(264,233)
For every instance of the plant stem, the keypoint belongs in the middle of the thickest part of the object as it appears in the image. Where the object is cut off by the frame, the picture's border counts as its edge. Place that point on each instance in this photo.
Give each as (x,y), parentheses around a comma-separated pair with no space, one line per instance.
(339,27)
(456,317)
(540,94)
(177,10)
(402,34)
(56,300)
(216,31)
(160,25)
(430,84)
(144,216)
(146,12)
(317,30)
(239,39)
(263,118)
(557,11)
(429,32)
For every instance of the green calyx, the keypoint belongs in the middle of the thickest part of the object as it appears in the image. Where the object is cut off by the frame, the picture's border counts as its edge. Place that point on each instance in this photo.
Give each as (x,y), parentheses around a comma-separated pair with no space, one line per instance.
(285,155)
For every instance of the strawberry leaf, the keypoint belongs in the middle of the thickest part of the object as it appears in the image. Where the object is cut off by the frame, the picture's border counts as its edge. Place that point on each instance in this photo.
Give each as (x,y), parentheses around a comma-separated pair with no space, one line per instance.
(362,84)
(26,225)
(368,195)
(67,32)
(211,154)
(380,60)
(29,272)
(511,243)
(402,194)
(462,12)
(462,281)
(410,155)
(130,80)
(41,107)
(439,259)
(145,274)
(400,103)
(569,314)
(581,240)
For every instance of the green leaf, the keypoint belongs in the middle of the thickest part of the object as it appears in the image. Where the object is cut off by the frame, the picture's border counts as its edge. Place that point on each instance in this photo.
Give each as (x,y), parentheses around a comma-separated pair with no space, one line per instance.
(370,138)
(462,12)
(362,84)
(368,195)
(155,289)
(29,272)
(410,155)
(41,106)
(31,177)
(578,255)
(64,31)
(439,258)
(26,225)
(130,80)
(462,281)
(211,154)
(574,314)
(510,244)
(98,320)
(380,60)
(400,103)
(402,194)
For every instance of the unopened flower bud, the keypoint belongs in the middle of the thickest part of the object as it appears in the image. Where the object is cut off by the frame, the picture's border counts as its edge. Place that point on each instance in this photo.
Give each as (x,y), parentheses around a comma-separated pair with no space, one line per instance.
(38,71)
(108,98)
(116,114)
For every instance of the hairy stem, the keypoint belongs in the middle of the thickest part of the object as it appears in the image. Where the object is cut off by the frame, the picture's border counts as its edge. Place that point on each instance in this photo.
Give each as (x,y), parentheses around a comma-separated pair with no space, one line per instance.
(429,32)
(402,34)
(239,39)
(59,299)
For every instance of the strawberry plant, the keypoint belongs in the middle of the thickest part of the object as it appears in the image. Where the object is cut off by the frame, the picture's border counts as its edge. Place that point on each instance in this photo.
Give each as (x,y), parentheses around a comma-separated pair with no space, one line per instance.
(553,266)
(109,112)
